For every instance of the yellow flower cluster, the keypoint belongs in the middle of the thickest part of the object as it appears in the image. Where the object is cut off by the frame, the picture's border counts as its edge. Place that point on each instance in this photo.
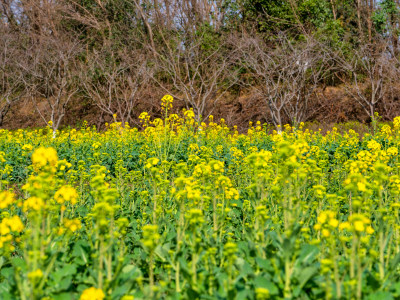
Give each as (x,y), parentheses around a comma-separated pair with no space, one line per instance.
(189,114)
(27,147)
(166,102)
(92,294)
(396,123)
(72,225)
(35,275)
(326,223)
(33,203)
(230,250)
(42,157)
(150,237)
(195,216)
(357,223)
(151,162)
(262,293)
(13,224)
(6,199)
(8,226)
(66,194)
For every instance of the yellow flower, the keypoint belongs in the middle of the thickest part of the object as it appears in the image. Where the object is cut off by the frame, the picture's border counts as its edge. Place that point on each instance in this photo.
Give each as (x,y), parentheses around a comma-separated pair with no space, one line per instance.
(150,237)
(195,216)
(5,239)
(166,102)
(2,154)
(262,293)
(317,226)
(361,186)
(44,156)
(6,199)
(92,294)
(73,224)
(230,249)
(322,218)
(189,114)
(334,223)
(344,225)
(325,233)
(359,226)
(37,274)
(27,147)
(370,230)
(66,194)
(34,203)
(15,224)
(152,162)
(143,115)
(392,151)
(4,228)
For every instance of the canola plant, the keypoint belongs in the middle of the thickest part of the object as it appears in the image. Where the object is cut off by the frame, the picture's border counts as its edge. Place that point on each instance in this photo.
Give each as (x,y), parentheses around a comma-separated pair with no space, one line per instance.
(188,210)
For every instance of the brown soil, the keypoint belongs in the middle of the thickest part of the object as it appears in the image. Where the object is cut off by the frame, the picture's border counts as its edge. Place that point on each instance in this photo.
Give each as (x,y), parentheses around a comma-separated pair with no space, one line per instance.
(333,106)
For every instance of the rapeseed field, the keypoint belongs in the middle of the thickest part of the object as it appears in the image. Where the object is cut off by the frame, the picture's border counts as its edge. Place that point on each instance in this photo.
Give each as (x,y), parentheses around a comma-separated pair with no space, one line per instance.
(182,210)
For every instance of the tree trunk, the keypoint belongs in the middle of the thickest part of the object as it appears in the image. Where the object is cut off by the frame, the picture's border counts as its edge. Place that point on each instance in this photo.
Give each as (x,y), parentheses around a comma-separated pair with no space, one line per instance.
(333,9)
(370,8)
(359,18)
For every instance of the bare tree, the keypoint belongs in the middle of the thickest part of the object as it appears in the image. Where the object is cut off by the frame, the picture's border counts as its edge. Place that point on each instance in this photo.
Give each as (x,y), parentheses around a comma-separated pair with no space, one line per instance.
(311,63)
(8,14)
(372,72)
(52,66)
(199,76)
(285,75)
(115,86)
(12,88)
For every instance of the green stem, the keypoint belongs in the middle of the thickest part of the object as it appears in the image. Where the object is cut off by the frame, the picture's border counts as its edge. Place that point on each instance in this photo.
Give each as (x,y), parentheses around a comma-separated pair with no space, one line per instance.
(287,292)
(151,274)
(100,275)
(381,256)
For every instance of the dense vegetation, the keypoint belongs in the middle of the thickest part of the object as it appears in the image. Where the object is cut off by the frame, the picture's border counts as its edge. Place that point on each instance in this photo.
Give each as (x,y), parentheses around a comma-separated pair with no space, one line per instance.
(116,55)
(196,210)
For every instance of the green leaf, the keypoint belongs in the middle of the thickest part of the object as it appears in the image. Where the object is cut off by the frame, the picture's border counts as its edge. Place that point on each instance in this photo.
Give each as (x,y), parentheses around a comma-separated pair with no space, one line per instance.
(306,274)
(4,288)
(264,264)
(394,262)
(244,294)
(120,291)
(396,289)
(380,296)
(8,273)
(67,270)
(161,252)
(6,296)
(244,267)
(1,261)
(308,254)
(19,263)
(79,251)
(372,282)
(128,268)
(65,283)
(263,282)
(63,296)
